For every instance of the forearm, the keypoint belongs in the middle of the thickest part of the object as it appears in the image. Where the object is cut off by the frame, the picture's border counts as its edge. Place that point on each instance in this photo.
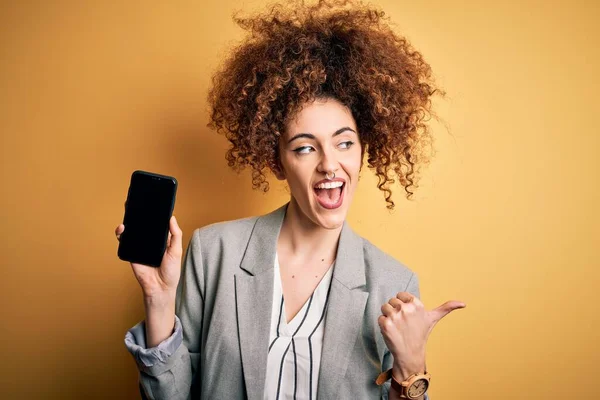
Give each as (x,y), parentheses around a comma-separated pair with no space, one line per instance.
(160,318)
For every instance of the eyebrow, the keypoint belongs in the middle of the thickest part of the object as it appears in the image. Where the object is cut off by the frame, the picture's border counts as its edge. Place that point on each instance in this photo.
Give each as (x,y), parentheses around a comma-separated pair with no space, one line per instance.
(311,136)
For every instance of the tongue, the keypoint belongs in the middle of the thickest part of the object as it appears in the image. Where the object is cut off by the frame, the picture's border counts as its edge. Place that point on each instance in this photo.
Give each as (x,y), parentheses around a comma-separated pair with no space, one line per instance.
(329,195)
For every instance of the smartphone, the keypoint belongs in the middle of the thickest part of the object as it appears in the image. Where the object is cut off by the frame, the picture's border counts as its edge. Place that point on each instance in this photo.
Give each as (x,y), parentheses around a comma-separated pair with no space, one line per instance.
(148,209)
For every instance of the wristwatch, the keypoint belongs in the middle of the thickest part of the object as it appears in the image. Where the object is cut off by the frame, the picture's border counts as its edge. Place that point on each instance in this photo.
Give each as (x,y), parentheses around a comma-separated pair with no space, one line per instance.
(412,387)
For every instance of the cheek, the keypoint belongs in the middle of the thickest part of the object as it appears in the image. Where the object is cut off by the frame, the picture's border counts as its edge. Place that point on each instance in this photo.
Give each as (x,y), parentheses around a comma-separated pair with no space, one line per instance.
(353,164)
(297,174)
(288,165)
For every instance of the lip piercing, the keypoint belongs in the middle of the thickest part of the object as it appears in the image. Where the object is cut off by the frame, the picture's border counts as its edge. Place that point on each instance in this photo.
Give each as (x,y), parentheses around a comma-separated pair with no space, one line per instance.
(327,175)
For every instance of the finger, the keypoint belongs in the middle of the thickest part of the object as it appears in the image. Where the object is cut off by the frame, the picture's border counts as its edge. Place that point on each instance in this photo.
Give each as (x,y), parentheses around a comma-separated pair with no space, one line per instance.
(446,308)
(396,303)
(388,310)
(405,297)
(176,237)
(385,323)
(119,231)
(169,240)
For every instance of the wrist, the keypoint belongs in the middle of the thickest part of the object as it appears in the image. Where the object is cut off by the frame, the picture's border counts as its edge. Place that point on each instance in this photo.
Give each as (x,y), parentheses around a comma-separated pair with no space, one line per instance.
(402,372)
(160,301)
(160,320)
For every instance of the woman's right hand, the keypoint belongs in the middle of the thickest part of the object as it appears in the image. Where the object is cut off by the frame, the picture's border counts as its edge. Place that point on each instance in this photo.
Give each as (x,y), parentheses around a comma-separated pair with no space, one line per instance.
(161,282)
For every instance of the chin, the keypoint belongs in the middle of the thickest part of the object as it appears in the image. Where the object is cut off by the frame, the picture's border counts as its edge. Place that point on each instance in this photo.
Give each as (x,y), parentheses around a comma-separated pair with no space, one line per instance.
(326,218)
(330,222)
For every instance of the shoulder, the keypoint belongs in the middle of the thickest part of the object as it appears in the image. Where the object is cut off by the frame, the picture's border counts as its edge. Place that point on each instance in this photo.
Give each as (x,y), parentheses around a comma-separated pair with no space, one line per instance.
(215,246)
(383,263)
(232,231)
(386,274)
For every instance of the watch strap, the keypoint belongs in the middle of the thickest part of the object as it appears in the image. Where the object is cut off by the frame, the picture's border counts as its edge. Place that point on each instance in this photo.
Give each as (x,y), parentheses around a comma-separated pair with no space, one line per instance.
(398,387)
(401,389)
(384,377)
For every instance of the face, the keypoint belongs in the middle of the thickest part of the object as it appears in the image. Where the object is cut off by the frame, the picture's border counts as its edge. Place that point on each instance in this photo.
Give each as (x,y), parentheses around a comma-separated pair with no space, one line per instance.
(321,139)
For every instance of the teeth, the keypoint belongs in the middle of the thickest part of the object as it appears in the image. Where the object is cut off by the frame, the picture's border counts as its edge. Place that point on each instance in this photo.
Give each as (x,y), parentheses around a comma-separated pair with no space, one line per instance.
(329,185)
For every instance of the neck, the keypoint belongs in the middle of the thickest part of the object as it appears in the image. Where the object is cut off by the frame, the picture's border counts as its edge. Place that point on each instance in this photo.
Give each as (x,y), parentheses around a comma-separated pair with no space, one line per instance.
(304,239)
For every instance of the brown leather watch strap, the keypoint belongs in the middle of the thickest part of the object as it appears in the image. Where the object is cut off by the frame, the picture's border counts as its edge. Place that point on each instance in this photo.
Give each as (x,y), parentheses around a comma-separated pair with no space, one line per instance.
(383,377)
(397,386)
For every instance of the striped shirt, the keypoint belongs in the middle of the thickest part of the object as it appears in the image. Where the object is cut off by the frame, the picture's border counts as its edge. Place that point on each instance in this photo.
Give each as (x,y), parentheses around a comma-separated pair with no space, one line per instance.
(295,347)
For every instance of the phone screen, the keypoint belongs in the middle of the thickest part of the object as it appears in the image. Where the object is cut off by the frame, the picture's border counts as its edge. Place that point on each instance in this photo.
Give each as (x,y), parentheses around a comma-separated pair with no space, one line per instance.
(149,207)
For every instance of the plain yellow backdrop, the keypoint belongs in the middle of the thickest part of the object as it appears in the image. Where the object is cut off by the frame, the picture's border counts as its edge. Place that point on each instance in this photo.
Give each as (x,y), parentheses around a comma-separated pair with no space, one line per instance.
(505,218)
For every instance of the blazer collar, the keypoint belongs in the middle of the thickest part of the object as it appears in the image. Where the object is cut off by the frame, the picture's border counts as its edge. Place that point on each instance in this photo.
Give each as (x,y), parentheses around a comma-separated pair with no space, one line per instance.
(254,296)
(260,253)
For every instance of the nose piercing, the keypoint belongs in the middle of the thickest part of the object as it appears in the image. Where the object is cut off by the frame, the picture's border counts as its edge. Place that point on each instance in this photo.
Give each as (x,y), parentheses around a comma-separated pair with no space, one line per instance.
(332,175)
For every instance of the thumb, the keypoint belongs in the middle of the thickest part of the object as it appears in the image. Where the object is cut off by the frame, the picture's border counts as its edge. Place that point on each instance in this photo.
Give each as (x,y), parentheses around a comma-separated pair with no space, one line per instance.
(445,309)
(175,248)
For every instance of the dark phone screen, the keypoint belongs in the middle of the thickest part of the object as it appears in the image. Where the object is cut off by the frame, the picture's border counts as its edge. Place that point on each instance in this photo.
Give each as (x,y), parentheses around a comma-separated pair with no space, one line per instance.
(147,212)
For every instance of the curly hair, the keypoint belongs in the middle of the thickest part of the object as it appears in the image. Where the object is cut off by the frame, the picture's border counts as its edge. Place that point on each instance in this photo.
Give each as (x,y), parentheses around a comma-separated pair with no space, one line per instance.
(332,49)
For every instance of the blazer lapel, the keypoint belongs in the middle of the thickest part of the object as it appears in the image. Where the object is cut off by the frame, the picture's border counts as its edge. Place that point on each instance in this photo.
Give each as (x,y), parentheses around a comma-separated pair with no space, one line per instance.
(254,295)
(345,311)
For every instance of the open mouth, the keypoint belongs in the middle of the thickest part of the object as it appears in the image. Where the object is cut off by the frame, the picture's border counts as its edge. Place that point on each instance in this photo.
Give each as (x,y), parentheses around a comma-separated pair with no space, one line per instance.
(330,195)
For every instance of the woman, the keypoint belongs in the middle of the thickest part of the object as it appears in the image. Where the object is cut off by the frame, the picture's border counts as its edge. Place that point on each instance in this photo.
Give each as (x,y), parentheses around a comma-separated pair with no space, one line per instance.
(294,304)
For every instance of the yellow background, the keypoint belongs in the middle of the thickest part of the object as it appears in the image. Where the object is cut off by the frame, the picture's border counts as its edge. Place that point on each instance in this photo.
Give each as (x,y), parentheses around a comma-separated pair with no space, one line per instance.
(506,217)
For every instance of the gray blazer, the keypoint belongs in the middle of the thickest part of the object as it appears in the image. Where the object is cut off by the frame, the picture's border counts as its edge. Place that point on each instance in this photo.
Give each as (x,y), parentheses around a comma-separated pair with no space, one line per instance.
(219,347)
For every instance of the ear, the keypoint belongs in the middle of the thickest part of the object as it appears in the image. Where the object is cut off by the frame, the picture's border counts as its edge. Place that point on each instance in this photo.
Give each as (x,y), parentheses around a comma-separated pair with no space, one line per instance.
(278,171)
(280,176)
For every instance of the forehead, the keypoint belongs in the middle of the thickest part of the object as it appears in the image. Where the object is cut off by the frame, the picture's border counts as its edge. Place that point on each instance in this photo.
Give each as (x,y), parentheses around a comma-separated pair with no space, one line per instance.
(320,117)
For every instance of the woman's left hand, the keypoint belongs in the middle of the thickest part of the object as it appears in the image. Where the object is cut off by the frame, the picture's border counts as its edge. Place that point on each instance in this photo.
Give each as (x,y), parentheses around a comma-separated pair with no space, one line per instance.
(405,326)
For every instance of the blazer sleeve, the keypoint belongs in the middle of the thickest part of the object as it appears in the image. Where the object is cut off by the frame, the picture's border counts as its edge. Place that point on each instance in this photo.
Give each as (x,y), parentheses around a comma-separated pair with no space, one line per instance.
(169,370)
(412,288)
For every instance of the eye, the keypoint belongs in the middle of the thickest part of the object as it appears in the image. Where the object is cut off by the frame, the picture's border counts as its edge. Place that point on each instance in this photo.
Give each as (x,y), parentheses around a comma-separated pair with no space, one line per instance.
(303,150)
(346,145)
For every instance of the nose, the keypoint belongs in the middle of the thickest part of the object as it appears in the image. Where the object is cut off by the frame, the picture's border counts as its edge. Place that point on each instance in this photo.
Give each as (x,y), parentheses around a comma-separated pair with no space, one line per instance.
(328,162)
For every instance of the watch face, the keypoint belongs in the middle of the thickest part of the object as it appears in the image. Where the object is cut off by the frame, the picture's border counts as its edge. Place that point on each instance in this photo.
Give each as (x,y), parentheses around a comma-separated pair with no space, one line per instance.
(418,388)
